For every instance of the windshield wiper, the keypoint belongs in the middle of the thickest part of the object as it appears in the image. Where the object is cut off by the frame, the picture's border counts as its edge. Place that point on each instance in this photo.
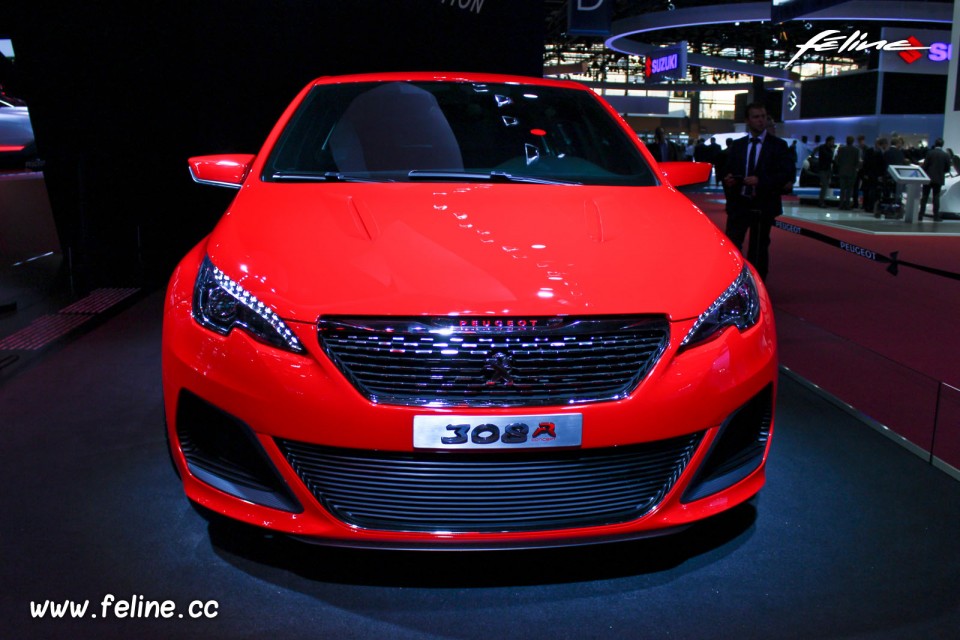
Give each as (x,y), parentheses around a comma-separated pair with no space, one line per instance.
(493,176)
(311,176)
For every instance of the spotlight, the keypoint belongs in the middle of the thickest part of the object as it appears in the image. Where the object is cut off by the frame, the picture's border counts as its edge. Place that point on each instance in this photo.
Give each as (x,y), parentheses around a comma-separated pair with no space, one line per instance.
(807,26)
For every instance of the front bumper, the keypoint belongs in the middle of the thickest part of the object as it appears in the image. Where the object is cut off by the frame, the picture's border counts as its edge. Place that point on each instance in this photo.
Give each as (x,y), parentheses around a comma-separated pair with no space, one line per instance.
(270,438)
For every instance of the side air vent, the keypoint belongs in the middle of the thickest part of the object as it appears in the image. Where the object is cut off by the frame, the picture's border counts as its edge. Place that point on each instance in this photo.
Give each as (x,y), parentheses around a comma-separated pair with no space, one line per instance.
(223,452)
(738,449)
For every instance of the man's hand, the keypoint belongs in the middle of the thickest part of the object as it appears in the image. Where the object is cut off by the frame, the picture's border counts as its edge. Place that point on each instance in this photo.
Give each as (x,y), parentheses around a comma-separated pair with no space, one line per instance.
(731,180)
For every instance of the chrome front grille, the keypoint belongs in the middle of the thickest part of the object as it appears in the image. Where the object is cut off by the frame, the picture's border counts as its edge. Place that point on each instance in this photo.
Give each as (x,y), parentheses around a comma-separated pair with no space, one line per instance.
(488,492)
(476,362)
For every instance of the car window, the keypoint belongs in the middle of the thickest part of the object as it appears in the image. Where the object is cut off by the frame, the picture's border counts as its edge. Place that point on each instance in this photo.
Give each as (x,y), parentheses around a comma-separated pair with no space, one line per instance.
(455,130)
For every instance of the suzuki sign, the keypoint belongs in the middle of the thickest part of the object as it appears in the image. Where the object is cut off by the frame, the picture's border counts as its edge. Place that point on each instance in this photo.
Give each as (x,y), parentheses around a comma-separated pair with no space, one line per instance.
(667,63)
(931,53)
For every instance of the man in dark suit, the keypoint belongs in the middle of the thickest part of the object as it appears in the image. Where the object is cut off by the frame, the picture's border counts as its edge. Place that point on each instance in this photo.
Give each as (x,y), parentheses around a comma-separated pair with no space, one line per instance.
(661,148)
(937,165)
(757,174)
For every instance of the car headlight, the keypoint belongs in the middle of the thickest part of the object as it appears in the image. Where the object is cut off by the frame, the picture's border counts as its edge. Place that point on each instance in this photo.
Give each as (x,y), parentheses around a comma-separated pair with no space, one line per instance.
(738,306)
(220,304)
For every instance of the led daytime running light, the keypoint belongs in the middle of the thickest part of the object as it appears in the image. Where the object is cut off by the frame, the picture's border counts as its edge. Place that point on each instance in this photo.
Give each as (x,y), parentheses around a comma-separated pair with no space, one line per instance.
(258,307)
(743,281)
(719,302)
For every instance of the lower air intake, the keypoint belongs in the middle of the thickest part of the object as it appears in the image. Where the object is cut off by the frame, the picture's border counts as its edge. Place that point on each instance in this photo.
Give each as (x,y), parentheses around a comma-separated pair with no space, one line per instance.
(490,492)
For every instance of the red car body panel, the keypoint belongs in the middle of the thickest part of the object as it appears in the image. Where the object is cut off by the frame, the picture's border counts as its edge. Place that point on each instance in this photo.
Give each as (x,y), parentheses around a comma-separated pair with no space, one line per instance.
(445,249)
(453,248)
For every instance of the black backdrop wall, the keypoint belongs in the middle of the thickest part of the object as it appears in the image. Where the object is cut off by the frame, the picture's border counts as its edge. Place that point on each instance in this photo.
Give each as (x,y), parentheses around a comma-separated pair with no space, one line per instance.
(122,92)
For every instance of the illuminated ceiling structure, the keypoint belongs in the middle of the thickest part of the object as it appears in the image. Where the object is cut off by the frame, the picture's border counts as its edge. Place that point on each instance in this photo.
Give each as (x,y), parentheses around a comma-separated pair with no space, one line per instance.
(729,41)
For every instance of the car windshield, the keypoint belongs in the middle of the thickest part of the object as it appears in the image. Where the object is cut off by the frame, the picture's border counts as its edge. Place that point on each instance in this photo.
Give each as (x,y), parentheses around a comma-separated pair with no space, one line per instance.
(439,131)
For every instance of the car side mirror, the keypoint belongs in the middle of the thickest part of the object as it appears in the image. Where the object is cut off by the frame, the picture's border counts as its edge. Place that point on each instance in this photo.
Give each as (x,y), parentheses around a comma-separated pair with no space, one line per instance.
(225,170)
(683,173)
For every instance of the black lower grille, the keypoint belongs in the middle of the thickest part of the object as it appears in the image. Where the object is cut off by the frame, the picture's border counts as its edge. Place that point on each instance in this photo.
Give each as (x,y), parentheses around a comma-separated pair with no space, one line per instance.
(738,449)
(490,492)
(223,452)
(459,361)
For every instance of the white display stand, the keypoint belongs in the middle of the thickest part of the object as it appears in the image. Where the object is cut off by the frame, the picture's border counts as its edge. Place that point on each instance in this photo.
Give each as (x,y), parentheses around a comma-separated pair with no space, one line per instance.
(911,178)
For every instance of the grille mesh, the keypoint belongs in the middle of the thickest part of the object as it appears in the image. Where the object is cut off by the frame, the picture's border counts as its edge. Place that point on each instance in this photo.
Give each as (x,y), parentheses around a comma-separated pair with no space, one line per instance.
(490,492)
(484,362)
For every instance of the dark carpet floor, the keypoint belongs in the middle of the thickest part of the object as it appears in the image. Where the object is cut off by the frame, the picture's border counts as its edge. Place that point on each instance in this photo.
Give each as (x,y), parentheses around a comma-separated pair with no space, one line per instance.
(853,537)
(884,344)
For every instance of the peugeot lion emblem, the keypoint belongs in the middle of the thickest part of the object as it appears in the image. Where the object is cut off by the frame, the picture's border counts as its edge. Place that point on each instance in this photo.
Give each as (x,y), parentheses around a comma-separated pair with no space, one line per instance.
(497,369)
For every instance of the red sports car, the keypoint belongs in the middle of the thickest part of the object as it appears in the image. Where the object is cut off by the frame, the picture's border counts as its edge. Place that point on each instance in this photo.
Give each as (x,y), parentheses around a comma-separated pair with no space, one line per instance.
(464,311)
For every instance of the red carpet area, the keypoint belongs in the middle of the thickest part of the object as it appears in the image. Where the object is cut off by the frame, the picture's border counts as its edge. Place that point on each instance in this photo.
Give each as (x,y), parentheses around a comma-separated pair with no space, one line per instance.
(885,344)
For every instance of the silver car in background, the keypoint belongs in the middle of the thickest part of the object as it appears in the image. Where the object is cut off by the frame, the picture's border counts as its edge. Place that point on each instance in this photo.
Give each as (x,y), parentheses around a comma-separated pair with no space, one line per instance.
(17,145)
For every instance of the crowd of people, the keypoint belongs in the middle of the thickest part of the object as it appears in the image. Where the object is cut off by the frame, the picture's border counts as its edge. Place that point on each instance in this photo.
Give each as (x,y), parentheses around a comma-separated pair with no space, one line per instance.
(860,171)
(757,169)
(856,168)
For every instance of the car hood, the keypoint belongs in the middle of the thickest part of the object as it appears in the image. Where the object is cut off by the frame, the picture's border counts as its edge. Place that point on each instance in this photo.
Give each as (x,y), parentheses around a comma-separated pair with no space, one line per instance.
(472,249)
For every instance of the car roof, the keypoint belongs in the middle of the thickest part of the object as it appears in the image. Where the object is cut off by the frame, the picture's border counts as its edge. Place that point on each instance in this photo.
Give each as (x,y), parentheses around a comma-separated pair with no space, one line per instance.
(448,76)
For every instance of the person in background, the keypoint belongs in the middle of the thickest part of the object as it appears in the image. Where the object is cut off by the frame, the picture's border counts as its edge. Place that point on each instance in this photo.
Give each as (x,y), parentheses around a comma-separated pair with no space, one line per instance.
(795,158)
(758,170)
(954,161)
(847,163)
(825,159)
(701,152)
(858,183)
(803,151)
(937,165)
(873,169)
(913,153)
(661,148)
(894,153)
(720,160)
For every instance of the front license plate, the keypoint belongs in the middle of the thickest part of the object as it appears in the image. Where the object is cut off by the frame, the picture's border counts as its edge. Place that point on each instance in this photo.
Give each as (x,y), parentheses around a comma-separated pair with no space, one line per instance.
(498,432)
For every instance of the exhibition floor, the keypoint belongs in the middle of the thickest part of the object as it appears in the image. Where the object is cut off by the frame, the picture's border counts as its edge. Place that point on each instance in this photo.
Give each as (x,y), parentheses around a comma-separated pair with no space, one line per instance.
(802,205)
(870,316)
(853,537)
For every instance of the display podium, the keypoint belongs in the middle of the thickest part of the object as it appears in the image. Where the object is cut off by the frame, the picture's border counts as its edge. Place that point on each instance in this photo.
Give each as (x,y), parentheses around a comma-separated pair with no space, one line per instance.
(909,178)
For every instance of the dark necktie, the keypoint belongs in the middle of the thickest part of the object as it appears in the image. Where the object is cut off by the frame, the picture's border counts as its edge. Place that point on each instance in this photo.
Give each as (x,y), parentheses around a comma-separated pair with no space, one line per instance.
(752,161)
(752,165)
